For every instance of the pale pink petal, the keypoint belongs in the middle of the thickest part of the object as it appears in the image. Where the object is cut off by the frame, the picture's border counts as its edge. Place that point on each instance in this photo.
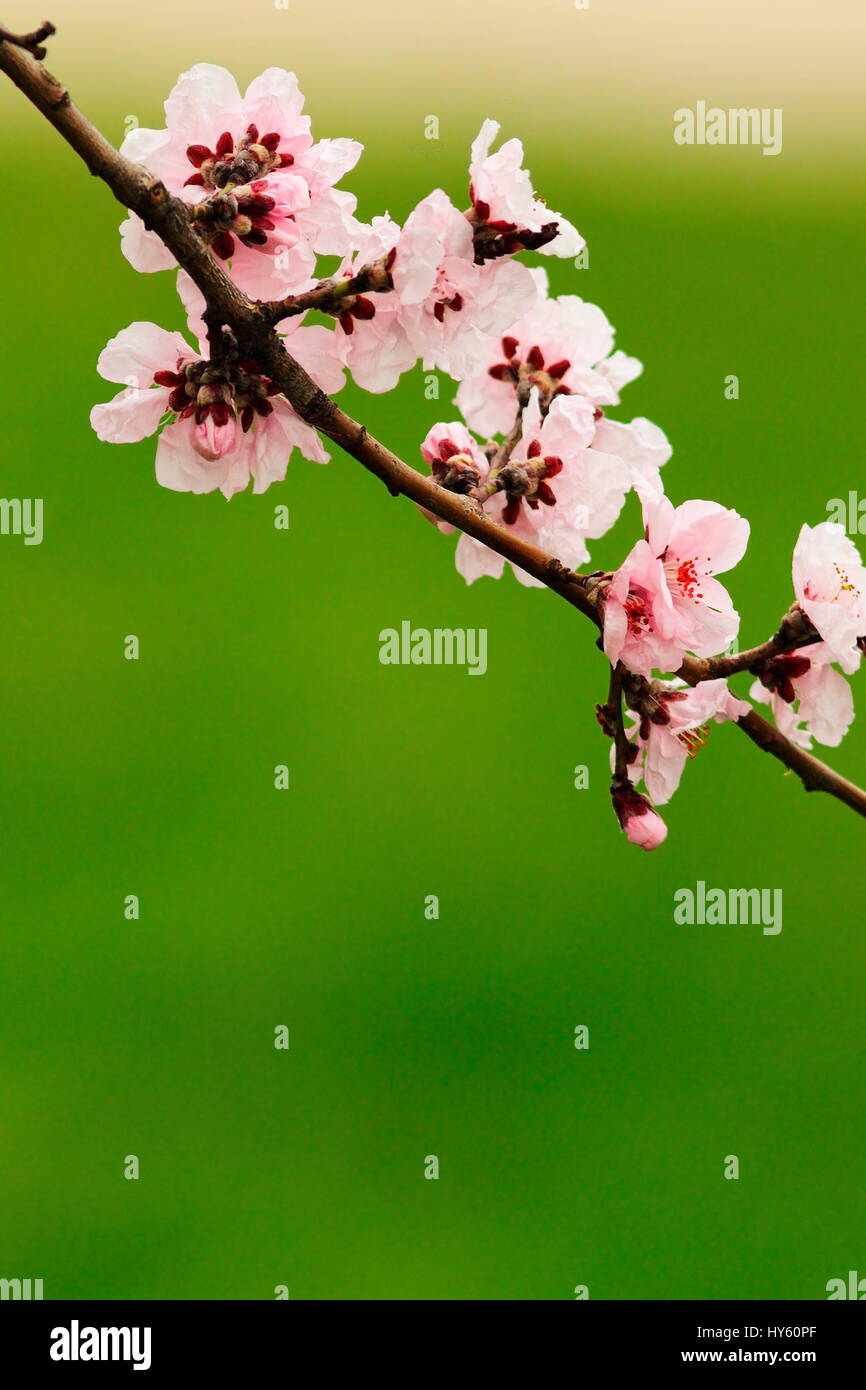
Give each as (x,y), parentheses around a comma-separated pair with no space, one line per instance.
(273,102)
(717,536)
(131,416)
(143,249)
(474,560)
(203,103)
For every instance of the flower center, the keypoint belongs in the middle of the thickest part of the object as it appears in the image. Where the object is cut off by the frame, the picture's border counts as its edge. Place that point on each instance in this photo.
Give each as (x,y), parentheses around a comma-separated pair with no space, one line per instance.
(527,481)
(533,370)
(693,740)
(500,237)
(845,584)
(456,471)
(230,165)
(242,213)
(638,611)
(685,577)
(222,393)
(444,296)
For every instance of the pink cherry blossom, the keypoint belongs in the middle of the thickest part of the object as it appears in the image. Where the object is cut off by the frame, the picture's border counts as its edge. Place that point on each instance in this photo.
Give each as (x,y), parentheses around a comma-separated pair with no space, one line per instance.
(642,825)
(221,428)
(371,339)
(264,191)
(449,305)
(671,729)
(806,678)
(664,600)
(558,489)
(507,213)
(830,584)
(560,346)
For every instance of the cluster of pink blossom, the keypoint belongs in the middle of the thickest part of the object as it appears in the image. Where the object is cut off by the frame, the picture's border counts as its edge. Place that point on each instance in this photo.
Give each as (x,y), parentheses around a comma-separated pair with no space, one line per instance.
(536,377)
(264,198)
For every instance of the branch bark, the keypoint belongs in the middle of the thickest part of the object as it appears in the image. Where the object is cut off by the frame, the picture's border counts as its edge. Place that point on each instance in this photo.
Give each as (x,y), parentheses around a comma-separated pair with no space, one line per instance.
(253,326)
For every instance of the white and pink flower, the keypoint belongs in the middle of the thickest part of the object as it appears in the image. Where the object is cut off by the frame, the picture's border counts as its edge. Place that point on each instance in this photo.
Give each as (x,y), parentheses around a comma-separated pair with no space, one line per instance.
(370,338)
(560,346)
(830,584)
(664,600)
(219,427)
(555,491)
(264,193)
(808,696)
(507,214)
(448,304)
(672,726)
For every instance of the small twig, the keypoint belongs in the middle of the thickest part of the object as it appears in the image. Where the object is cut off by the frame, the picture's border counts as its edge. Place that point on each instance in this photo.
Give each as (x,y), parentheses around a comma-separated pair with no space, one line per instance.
(614,709)
(31,42)
(332,296)
(795,631)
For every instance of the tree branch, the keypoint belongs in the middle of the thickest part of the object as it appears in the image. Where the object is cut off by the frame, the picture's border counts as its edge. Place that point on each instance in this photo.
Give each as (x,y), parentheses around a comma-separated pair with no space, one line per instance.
(252,326)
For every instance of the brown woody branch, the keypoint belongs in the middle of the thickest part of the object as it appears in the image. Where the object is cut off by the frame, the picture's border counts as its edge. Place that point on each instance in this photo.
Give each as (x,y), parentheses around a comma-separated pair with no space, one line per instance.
(253,327)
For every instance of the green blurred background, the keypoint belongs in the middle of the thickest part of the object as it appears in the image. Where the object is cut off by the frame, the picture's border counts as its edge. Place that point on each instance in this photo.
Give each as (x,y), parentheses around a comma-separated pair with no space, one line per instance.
(258,647)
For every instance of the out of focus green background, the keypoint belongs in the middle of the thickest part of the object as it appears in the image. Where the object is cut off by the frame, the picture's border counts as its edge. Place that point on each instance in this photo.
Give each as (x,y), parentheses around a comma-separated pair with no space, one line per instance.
(412,1037)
